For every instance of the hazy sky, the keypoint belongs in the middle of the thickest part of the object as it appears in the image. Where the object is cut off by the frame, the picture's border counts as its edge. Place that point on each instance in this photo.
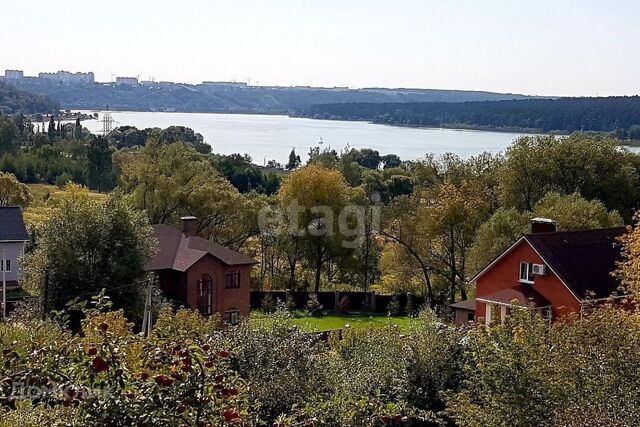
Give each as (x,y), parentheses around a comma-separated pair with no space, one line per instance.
(542,47)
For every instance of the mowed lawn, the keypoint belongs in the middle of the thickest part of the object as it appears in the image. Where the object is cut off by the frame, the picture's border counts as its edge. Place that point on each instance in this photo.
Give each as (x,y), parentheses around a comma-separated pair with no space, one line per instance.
(333,322)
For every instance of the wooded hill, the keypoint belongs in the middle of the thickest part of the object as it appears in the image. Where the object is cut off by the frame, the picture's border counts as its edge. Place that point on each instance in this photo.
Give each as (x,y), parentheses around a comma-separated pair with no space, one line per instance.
(537,115)
(13,100)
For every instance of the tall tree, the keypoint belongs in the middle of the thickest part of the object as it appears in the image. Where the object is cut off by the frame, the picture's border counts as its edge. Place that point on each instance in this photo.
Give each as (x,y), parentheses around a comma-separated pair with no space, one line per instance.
(87,245)
(77,130)
(51,130)
(315,196)
(169,181)
(12,192)
(294,160)
(8,135)
(99,164)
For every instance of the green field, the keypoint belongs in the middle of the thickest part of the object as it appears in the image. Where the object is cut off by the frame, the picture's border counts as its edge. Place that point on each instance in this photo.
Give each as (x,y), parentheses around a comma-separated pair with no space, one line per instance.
(39,208)
(333,322)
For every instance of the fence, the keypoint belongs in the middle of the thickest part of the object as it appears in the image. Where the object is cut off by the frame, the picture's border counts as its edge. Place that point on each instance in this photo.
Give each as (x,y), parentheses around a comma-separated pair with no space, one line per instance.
(336,301)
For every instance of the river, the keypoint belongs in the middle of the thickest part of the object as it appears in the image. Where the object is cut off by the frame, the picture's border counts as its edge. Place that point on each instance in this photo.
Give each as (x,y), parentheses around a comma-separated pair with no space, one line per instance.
(266,137)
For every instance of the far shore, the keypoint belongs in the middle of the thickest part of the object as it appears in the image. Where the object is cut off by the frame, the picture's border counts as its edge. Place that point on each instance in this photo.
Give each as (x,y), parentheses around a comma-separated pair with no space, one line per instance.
(86,114)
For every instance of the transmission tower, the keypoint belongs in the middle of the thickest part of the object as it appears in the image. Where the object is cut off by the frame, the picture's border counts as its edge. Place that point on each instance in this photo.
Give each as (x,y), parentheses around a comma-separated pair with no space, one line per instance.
(107,123)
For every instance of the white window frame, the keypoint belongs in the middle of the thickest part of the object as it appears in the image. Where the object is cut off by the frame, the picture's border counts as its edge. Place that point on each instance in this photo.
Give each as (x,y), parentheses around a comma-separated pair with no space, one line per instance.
(7,262)
(234,316)
(529,273)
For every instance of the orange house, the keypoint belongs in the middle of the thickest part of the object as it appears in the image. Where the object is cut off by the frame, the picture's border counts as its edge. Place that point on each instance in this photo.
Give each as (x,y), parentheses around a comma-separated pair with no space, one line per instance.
(553,272)
(200,274)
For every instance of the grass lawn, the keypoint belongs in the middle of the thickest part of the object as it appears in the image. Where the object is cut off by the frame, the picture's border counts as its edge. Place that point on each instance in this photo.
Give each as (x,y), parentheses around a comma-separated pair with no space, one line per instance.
(331,322)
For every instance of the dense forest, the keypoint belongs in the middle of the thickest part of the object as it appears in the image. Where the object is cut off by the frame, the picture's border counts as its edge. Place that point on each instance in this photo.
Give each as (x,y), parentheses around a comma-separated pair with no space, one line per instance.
(232,97)
(564,115)
(13,100)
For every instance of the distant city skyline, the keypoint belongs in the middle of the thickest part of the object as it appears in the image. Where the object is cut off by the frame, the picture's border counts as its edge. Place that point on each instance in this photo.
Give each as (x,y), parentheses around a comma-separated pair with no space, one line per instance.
(552,48)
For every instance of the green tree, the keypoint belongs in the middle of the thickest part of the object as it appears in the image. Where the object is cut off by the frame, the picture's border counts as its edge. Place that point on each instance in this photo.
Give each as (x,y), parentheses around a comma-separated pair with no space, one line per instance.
(51,130)
(294,160)
(634,132)
(495,235)
(435,228)
(77,130)
(169,181)
(574,212)
(12,192)
(87,245)
(315,196)
(99,165)
(8,135)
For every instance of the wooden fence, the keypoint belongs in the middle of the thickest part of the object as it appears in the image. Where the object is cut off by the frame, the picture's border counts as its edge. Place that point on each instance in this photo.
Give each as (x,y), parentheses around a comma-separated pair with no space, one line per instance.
(336,301)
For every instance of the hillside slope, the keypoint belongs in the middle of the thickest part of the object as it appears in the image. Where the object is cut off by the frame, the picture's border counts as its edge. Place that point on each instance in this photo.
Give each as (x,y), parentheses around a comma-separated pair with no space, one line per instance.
(235,98)
(536,115)
(13,100)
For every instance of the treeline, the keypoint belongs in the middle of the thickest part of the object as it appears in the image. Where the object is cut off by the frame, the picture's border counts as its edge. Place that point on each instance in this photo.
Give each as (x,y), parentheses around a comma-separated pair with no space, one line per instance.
(565,115)
(59,153)
(423,226)
(13,100)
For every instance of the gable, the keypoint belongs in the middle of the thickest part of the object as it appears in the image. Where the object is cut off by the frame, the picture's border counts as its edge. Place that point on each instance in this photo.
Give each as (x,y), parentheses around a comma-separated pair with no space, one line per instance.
(12,228)
(175,251)
(503,277)
(582,261)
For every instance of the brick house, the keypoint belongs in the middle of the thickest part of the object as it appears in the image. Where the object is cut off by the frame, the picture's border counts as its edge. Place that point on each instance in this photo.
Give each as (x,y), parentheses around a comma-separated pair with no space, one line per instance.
(556,273)
(201,274)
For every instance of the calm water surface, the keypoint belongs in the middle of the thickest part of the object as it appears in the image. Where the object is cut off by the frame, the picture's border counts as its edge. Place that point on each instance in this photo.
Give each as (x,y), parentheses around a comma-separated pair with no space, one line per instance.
(273,137)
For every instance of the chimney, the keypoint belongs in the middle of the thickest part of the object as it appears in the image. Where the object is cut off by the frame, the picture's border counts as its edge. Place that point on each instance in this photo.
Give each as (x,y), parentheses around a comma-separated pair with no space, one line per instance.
(189,225)
(542,225)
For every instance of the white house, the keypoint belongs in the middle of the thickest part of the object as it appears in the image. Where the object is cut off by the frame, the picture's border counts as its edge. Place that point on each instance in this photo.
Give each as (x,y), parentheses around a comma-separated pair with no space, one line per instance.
(13,238)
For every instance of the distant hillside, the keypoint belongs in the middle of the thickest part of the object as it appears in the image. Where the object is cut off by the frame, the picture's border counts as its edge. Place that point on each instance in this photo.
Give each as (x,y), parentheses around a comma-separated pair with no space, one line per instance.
(234,98)
(13,100)
(536,115)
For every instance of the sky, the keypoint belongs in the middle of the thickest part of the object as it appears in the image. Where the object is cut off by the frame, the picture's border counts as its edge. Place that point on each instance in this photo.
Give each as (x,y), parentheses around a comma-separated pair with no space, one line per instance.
(541,47)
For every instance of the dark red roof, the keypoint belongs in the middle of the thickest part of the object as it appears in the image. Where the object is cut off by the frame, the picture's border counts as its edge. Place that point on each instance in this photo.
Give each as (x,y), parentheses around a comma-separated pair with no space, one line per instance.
(469,304)
(583,260)
(524,295)
(176,251)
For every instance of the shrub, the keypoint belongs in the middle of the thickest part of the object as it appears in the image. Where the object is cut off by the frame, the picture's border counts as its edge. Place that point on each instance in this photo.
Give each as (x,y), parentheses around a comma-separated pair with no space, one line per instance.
(393,308)
(313,307)
(267,304)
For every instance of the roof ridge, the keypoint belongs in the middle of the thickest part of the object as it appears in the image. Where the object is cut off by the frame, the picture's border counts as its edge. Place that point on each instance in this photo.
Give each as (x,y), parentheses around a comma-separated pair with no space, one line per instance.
(582,230)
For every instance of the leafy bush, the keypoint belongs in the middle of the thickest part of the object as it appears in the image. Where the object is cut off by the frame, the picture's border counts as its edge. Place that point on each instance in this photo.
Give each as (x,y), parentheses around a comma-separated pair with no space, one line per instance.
(268,304)
(313,307)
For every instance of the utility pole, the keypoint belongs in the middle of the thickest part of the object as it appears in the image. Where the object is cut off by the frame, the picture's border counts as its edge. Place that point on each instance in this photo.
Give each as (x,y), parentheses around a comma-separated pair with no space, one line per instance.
(147,317)
(4,285)
(45,295)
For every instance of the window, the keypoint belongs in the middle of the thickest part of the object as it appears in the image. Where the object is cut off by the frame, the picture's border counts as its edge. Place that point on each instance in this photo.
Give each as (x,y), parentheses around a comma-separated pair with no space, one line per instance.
(205,287)
(232,317)
(232,280)
(526,272)
(7,263)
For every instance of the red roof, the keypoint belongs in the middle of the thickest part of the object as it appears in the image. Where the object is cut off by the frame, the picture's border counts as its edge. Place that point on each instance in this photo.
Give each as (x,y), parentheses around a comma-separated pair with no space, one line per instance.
(176,251)
(523,295)
(584,260)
